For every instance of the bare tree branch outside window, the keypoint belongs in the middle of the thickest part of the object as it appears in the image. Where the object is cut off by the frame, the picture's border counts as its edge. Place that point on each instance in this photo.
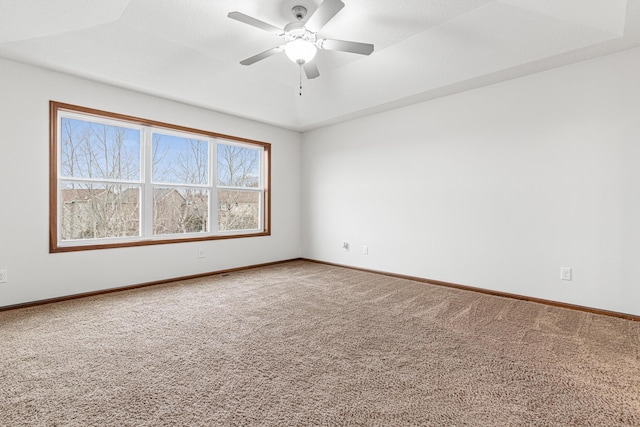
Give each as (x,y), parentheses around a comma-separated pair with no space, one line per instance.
(107,153)
(184,208)
(238,167)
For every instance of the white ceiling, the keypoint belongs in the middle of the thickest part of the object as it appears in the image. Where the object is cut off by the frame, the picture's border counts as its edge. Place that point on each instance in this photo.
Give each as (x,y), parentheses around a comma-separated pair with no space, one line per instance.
(188,50)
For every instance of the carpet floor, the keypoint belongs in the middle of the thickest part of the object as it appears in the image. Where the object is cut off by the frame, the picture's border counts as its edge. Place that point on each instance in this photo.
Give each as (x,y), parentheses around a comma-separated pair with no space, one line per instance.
(306,344)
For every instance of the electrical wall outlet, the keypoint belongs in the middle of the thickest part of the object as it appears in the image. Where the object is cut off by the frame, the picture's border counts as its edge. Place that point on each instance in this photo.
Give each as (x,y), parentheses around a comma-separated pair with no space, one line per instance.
(3,276)
(345,246)
(365,250)
(565,273)
(200,253)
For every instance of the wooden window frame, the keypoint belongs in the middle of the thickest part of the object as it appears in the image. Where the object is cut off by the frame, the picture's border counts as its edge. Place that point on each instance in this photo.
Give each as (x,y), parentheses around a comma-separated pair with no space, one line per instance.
(92,244)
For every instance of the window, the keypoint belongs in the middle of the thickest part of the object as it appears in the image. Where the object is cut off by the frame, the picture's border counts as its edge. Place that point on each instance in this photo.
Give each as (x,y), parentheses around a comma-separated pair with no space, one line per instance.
(123,181)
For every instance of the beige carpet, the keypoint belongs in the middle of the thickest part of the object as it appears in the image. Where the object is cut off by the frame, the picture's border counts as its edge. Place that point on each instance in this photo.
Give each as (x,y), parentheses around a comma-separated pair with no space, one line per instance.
(308,344)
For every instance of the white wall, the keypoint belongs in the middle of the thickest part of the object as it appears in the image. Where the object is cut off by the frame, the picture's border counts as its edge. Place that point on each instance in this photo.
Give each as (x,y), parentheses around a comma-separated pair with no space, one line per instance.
(35,274)
(495,188)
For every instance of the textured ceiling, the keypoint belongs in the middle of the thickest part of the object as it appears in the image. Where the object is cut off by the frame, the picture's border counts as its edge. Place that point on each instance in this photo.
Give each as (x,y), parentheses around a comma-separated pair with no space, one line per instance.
(190,51)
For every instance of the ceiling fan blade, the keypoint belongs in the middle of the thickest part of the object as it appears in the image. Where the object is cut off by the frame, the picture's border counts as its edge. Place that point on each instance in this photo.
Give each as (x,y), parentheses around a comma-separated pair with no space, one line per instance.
(346,46)
(311,70)
(323,14)
(256,23)
(263,55)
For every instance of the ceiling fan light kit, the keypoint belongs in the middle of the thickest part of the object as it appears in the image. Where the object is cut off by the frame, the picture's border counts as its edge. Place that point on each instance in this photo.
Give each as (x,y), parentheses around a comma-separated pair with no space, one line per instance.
(302,42)
(300,51)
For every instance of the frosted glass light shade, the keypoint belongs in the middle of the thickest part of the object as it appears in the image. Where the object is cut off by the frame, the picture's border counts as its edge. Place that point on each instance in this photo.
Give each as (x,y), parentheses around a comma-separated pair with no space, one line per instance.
(300,51)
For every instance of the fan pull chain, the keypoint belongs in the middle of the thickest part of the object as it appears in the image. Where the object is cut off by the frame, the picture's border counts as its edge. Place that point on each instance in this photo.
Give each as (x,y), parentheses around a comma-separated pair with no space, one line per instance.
(300,79)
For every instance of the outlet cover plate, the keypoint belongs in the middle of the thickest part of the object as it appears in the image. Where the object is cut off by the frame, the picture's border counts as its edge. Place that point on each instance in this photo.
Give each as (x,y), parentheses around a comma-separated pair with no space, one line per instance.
(3,276)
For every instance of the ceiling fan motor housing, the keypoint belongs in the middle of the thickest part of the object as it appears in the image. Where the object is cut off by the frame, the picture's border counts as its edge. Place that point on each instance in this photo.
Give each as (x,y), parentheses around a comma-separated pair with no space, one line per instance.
(297,31)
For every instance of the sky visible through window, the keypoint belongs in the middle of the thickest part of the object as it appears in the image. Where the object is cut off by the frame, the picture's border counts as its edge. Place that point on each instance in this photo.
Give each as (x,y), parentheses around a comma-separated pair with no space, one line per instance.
(238,166)
(180,160)
(108,152)
(99,151)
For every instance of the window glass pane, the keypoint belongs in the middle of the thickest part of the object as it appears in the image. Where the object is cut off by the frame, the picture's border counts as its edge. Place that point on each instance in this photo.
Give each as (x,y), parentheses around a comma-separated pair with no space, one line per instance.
(99,151)
(179,160)
(180,210)
(238,166)
(238,210)
(95,211)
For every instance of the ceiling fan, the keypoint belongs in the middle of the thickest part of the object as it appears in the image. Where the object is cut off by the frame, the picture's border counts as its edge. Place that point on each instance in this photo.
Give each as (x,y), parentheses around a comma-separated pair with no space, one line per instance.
(301,37)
